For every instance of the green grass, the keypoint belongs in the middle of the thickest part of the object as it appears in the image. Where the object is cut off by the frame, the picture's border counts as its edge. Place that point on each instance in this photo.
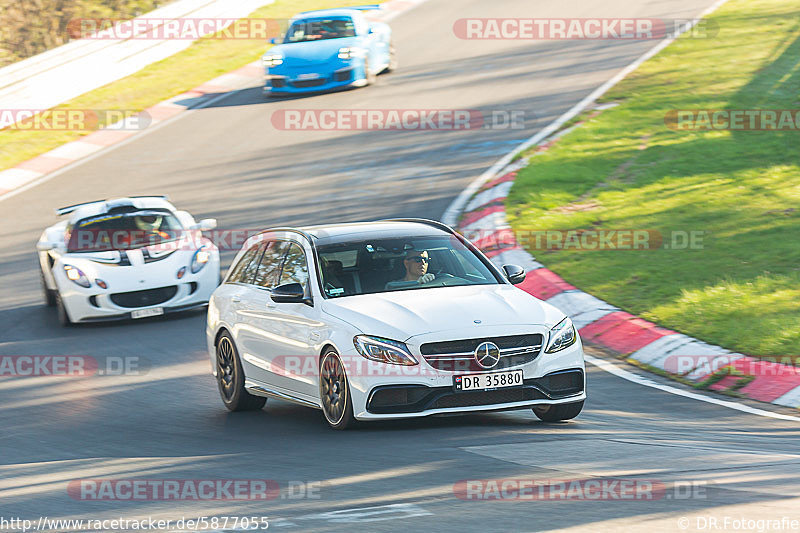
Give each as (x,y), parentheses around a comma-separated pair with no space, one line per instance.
(741,190)
(204,60)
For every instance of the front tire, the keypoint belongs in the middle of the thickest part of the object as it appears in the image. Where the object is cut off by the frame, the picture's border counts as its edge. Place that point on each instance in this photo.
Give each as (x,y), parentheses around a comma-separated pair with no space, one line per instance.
(369,74)
(49,294)
(230,378)
(63,314)
(334,392)
(558,412)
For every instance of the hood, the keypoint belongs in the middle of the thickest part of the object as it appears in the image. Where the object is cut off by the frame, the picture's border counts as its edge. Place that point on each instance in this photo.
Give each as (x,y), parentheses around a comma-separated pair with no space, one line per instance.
(401,315)
(313,51)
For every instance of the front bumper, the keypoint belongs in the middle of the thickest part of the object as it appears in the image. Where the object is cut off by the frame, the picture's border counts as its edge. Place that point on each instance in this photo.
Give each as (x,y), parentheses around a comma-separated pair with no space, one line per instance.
(547,380)
(96,305)
(278,82)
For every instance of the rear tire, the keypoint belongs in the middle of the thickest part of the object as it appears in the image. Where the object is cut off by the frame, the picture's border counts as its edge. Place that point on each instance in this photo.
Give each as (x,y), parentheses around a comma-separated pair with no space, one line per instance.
(334,392)
(49,294)
(230,378)
(63,315)
(558,412)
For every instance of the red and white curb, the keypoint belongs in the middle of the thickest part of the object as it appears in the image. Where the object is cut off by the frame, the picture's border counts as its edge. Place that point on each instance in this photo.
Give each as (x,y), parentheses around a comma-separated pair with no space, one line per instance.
(605,325)
(43,167)
(479,213)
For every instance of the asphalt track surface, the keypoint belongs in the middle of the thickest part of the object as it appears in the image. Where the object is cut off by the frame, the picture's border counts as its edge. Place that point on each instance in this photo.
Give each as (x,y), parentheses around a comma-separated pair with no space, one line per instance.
(228,162)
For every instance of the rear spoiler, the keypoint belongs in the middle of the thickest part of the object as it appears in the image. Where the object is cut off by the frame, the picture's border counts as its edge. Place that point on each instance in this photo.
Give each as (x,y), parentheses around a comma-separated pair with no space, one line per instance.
(70,208)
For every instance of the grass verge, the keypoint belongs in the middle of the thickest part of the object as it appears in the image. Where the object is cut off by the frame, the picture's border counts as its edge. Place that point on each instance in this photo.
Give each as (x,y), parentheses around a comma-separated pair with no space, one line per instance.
(740,190)
(204,60)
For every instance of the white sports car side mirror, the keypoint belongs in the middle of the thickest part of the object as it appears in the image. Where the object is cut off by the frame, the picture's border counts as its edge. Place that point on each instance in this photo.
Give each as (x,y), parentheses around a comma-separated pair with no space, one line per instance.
(46,246)
(206,224)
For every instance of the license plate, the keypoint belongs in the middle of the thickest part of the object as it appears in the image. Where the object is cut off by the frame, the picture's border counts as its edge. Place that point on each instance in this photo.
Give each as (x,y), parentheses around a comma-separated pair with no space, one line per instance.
(143,313)
(308,76)
(493,380)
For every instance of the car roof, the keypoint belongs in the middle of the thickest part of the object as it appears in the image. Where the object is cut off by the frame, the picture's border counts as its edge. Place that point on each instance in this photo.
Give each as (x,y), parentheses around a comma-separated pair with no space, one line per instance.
(334,12)
(100,207)
(334,233)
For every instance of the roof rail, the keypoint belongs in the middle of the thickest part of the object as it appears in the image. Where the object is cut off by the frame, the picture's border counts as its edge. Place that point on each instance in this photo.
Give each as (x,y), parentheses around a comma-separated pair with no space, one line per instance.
(70,208)
(434,223)
(367,7)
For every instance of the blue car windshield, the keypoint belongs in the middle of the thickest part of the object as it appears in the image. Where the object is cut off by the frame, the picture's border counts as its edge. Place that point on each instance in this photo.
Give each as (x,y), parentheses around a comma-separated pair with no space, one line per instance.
(320,29)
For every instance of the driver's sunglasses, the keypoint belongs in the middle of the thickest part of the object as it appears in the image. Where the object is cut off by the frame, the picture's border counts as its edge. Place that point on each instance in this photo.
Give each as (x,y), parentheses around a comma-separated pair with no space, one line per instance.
(419,259)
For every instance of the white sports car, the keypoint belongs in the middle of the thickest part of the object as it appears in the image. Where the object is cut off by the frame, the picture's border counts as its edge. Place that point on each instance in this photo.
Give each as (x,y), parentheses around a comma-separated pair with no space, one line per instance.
(389,319)
(126,258)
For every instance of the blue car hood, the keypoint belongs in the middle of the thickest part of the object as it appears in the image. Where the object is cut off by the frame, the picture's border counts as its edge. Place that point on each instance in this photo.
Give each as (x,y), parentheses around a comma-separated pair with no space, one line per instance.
(313,51)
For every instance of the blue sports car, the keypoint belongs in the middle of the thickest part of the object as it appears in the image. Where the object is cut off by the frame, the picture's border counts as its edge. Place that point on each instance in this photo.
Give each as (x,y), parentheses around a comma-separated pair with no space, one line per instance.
(328,49)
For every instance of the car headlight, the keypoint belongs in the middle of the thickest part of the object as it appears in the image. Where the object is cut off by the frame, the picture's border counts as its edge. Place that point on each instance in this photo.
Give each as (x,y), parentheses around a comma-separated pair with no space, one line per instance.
(349,52)
(272,60)
(562,336)
(383,350)
(77,276)
(199,259)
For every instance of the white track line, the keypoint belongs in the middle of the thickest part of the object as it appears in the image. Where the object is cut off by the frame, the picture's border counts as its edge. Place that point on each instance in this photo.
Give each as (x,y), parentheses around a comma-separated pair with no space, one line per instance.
(647,382)
(450,216)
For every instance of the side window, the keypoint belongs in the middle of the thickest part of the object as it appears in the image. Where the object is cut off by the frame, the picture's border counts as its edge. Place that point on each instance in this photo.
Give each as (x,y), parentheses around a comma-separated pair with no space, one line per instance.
(243,270)
(295,268)
(270,267)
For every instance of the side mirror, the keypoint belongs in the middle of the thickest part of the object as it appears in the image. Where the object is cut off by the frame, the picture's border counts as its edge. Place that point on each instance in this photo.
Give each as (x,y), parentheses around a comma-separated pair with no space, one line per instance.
(291,293)
(46,246)
(514,273)
(206,224)
(371,30)
(274,40)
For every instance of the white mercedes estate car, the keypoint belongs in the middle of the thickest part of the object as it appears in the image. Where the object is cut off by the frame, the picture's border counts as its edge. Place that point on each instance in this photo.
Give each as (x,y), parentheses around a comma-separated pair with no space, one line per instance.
(389,319)
(129,257)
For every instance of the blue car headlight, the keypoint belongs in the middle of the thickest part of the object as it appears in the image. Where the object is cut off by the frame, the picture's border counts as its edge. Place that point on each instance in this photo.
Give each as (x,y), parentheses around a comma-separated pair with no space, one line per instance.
(77,276)
(350,52)
(562,335)
(383,350)
(272,60)
(200,258)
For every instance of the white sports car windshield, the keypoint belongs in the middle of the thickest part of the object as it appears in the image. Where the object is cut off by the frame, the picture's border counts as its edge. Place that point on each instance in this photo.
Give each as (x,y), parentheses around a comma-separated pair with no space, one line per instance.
(124,231)
(320,29)
(404,263)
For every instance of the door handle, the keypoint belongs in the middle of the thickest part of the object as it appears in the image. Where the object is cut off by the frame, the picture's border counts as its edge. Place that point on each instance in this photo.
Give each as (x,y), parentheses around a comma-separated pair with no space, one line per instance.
(236,300)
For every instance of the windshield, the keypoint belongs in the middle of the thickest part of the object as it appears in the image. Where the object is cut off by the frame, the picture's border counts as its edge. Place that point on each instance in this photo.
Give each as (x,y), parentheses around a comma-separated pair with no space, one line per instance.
(124,231)
(319,29)
(408,263)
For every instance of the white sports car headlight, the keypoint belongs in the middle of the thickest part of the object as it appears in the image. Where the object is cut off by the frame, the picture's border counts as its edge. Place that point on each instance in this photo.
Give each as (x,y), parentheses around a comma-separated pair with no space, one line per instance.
(383,350)
(562,336)
(77,276)
(200,259)
(272,60)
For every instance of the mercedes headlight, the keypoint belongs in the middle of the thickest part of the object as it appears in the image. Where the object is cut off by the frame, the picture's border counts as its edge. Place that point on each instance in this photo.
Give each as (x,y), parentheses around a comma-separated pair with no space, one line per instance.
(272,60)
(199,259)
(562,336)
(383,350)
(77,276)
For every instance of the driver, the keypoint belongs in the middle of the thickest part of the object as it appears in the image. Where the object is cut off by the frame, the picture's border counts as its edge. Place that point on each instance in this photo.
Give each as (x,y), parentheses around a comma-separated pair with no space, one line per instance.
(416,266)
